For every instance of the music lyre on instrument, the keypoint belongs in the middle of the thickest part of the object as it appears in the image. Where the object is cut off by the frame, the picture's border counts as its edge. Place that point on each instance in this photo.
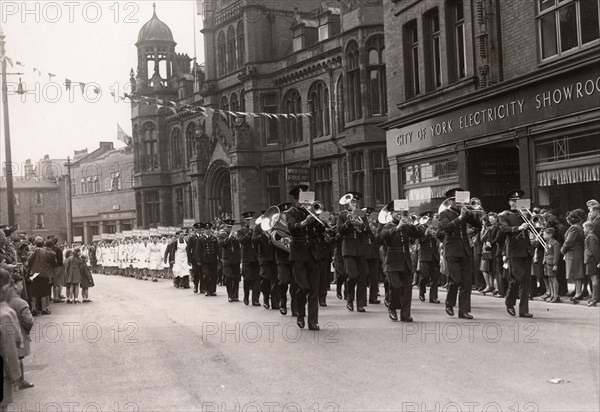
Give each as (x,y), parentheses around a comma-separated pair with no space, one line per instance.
(314,208)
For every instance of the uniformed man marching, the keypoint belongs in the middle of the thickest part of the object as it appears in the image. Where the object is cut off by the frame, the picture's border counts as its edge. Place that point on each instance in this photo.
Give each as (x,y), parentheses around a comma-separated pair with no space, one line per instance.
(373,262)
(230,255)
(268,267)
(519,255)
(429,262)
(208,249)
(457,250)
(250,267)
(303,255)
(398,264)
(197,276)
(285,276)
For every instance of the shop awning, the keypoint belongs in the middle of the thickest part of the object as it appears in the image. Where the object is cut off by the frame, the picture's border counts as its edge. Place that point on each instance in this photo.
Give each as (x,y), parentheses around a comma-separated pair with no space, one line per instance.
(568,176)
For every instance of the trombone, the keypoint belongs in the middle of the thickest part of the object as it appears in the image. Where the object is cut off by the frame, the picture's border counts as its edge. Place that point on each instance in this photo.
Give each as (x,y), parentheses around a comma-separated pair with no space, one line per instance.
(315,209)
(532,226)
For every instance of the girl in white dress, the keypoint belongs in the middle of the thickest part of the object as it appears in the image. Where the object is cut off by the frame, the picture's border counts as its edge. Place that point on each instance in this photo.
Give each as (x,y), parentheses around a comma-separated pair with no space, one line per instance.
(165,265)
(155,258)
(181,267)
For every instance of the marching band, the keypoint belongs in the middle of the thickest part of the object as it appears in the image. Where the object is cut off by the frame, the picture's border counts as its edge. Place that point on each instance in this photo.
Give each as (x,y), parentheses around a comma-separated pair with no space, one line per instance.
(298,248)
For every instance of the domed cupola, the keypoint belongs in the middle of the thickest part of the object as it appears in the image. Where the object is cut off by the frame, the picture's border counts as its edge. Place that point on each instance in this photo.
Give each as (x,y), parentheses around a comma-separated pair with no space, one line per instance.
(155,30)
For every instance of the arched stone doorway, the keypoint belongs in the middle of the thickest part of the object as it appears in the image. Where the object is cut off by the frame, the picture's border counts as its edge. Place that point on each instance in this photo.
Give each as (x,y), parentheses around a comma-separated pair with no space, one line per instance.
(219,191)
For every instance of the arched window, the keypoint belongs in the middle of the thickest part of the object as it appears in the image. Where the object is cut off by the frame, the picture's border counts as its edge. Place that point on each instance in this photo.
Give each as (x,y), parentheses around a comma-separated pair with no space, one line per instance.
(225,107)
(176,157)
(231,51)
(137,154)
(190,143)
(339,104)
(241,45)
(221,54)
(353,74)
(376,85)
(234,103)
(318,98)
(150,147)
(292,104)
(242,101)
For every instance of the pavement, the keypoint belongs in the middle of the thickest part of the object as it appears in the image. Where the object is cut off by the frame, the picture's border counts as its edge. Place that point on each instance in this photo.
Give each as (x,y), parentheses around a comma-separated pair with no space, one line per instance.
(143,346)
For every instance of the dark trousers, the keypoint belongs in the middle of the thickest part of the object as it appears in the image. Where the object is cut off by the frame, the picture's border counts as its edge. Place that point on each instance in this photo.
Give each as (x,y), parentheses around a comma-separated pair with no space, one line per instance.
(401,292)
(306,276)
(561,276)
(373,270)
(386,288)
(518,283)
(285,279)
(251,281)
(324,279)
(268,284)
(429,270)
(231,275)
(209,271)
(196,273)
(356,269)
(461,281)
(340,277)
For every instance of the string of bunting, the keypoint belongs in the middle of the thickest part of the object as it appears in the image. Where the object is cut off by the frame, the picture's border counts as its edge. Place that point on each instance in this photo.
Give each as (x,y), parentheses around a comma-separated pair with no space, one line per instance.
(171,105)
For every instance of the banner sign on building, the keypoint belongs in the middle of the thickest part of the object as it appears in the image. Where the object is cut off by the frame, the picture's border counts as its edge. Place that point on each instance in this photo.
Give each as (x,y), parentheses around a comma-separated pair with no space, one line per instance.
(77,239)
(188,222)
(297,175)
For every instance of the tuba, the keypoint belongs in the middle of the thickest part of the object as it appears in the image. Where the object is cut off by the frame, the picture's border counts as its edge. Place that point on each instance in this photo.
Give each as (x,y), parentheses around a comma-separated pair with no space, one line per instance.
(274,223)
(385,215)
(355,214)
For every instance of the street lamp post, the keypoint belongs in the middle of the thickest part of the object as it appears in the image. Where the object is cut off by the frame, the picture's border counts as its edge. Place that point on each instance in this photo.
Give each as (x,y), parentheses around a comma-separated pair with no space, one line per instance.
(69,203)
(8,163)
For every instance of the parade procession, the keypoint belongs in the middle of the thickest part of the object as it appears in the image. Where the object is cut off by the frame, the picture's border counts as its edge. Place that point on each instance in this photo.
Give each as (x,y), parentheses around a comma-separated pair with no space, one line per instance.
(322,205)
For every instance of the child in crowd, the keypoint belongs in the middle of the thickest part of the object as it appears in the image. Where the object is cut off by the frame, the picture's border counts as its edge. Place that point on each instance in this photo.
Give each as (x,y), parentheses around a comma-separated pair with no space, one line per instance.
(86,281)
(591,260)
(73,270)
(551,259)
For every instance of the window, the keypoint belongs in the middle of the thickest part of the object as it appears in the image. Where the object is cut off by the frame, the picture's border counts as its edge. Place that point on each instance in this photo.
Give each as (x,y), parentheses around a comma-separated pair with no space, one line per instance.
(241,46)
(273,188)
(324,185)
(270,124)
(152,208)
(242,101)
(231,50)
(17,222)
(221,54)
(189,210)
(411,52)
(84,186)
(115,181)
(39,221)
(136,149)
(353,74)
(73,189)
(381,178)
(566,25)
(376,72)
(339,104)
(433,61)
(292,104)
(178,206)
(457,67)
(39,198)
(430,171)
(567,148)
(323,32)
(298,43)
(225,108)
(96,184)
(318,99)
(138,208)
(17,199)
(357,172)
(190,143)
(150,158)
(234,103)
(176,150)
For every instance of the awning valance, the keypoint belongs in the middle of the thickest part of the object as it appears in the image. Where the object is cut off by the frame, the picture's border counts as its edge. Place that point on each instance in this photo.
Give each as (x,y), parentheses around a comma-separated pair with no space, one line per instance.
(430,192)
(568,176)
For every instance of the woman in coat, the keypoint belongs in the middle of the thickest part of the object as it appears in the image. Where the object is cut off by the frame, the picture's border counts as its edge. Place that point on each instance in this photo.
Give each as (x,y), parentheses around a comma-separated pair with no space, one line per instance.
(572,250)
(25,318)
(74,271)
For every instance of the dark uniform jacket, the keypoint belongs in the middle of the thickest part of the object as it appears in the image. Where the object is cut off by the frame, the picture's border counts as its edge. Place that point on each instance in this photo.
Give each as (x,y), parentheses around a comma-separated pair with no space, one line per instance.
(397,241)
(248,252)
(454,233)
(207,249)
(262,243)
(518,241)
(303,246)
(170,252)
(371,245)
(353,241)
(428,249)
(230,251)
(191,249)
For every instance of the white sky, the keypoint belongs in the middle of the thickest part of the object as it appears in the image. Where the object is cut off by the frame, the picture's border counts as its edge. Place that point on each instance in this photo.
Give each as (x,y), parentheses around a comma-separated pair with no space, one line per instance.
(63,39)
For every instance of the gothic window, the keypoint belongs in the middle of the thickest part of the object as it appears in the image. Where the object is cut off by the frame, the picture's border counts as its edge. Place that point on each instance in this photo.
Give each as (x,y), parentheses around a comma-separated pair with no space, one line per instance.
(318,99)
(221,54)
(137,155)
(376,75)
(292,104)
(176,149)
(240,44)
(231,50)
(190,144)
(339,104)
(150,155)
(225,108)
(353,73)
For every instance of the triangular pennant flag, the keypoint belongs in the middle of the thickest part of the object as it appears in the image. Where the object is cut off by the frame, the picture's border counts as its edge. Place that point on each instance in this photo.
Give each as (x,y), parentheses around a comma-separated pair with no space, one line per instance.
(9,60)
(50,76)
(122,136)
(36,70)
(82,87)
(284,115)
(67,84)
(20,64)
(112,94)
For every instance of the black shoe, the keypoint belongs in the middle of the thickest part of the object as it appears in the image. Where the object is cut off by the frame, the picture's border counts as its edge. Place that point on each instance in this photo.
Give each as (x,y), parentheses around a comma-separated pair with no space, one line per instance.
(295,314)
(525,315)
(511,311)
(230,299)
(339,295)
(409,320)
(300,322)
(585,294)
(25,385)
(421,297)
(255,304)
(313,326)
(386,303)
(195,289)
(274,307)
(212,294)
(464,316)
(592,303)
(323,304)
(236,299)
(283,310)
(572,294)
(375,302)
(360,309)
(350,306)
(176,286)
(577,298)
(450,310)
(393,314)
(246,302)
(206,294)
(434,301)
(266,305)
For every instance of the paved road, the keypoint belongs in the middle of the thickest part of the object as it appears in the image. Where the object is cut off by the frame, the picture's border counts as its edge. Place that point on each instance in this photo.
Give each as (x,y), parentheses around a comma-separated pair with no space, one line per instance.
(144,346)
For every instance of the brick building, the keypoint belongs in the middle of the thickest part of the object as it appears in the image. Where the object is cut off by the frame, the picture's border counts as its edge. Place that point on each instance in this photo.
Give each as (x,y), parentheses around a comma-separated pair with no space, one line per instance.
(318,57)
(102,192)
(491,95)
(40,206)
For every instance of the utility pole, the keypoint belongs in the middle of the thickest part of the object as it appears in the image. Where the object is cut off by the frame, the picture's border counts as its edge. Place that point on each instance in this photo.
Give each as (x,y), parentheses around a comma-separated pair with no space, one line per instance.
(10,197)
(69,204)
